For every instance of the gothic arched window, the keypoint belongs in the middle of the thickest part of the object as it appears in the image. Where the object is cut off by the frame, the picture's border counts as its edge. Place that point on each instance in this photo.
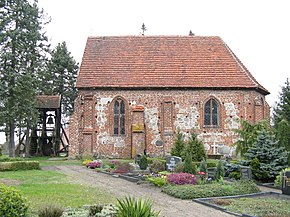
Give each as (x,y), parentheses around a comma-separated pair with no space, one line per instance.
(211,113)
(119,117)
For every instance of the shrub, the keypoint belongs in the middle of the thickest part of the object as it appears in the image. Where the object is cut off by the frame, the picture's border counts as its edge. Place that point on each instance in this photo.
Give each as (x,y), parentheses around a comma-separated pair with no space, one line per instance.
(123,167)
(158,181)
(50,210)
(232,168)
(19,165)
(94,164)
(203,166)
(157,166)
(278,180)
(0,152)
(220,172)
(12,203)
(188,168)
(9,159)
(143,164)
(211,190)
(129,206)
(179,168)
(178,145)
(86,161)
(195,147)
(181,178)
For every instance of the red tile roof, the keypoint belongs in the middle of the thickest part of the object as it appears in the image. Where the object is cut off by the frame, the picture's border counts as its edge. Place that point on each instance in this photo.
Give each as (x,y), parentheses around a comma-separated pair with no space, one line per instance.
(162,62)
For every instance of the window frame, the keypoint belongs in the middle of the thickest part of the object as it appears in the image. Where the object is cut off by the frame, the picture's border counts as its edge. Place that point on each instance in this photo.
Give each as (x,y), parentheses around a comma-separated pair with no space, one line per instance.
(119,116)
(217,107)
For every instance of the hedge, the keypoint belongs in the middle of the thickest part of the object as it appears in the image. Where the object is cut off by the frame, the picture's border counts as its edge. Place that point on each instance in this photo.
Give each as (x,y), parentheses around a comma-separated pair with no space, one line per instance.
(19,165)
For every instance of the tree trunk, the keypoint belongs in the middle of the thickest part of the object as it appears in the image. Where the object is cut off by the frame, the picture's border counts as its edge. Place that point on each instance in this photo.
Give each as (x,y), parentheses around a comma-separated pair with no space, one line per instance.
(27,141)
(11,140)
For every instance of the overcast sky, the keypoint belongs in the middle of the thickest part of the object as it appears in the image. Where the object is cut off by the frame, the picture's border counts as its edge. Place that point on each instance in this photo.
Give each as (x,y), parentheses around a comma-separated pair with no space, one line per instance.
(257,31)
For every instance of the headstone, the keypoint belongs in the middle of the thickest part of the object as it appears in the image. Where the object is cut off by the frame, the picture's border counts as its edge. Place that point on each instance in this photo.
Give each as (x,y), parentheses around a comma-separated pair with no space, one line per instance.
(286,183)
(171,162)
(137,158)
(246,172)
(211,172)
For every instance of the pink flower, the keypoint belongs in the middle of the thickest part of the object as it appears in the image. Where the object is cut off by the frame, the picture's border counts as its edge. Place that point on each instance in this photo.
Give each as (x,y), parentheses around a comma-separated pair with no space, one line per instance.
(201,173)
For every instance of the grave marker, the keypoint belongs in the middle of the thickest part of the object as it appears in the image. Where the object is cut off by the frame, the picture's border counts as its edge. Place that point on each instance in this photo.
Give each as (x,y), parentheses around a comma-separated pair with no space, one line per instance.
(171,162)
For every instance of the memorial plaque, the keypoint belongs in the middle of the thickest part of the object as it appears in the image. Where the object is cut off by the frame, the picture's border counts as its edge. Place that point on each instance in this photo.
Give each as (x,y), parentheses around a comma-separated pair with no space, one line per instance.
(171,162)
(211,172)
(159,143)
(246,172)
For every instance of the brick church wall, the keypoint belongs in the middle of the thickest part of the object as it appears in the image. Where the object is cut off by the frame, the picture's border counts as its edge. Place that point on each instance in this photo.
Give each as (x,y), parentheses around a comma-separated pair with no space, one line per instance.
(161,113)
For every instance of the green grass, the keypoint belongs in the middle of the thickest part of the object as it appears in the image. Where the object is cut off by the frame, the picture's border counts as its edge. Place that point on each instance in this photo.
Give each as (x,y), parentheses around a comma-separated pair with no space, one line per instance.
(258,206)
(43,187)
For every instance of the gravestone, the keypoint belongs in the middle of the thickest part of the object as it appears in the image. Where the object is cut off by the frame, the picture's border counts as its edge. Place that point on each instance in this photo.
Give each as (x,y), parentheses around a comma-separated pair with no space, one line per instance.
(137,158)
(211,172)
(246,172)
(171,162)
(286,183)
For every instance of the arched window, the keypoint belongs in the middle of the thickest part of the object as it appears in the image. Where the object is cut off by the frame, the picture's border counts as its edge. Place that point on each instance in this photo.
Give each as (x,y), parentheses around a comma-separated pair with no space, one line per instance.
(119,117)
(211,113)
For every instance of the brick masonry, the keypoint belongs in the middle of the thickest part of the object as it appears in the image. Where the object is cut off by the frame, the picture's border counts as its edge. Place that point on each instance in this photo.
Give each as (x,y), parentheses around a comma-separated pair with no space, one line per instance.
(161,113)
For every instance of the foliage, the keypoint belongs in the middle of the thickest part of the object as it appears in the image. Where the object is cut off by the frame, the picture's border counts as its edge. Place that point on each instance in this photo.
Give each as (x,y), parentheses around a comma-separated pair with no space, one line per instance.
(195,147)
(203,166)
(123,167)
(157,166)
(86,161)
(61,77)
(188,167)
(266,158)
(12,203)
(283,135)
(129,206)
(278,180)
(50,210)
(266,207)
(179,167)
(100,210)
(248,134)
(9,159)
(220,172)
(232,170)
(211,190)
(181,179)
(157,180)
(143,164)
(19,165)
(178,145)
(23,50)
(282,107)
(94,164)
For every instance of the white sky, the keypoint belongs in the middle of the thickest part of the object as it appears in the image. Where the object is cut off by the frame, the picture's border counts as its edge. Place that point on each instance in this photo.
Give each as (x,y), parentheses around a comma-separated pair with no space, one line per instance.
(257,31)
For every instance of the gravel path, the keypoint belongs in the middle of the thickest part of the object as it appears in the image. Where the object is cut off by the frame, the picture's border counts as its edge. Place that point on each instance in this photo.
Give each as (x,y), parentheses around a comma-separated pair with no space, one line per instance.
(169,206)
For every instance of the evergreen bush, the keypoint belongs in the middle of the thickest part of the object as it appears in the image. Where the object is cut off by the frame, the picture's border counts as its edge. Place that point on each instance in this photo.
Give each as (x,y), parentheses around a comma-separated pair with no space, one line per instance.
(203,166)
(157,166)
(188,166)
(12,203)
(178,145)
(220,172)
(195,147)
(19,165)
(266,158)
(143,163)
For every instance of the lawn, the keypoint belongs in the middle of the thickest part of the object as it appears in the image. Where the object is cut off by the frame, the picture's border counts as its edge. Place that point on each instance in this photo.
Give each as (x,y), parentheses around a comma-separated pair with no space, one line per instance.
(44,187)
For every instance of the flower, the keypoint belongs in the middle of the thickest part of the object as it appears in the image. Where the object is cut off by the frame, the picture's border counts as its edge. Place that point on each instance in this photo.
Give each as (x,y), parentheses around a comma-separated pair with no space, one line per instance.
(201,173)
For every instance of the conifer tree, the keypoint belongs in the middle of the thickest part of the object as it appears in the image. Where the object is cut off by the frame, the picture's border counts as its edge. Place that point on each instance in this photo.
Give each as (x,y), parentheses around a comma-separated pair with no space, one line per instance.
(61,76)
(265,157)
(178,145)
(195,147)
(23,46)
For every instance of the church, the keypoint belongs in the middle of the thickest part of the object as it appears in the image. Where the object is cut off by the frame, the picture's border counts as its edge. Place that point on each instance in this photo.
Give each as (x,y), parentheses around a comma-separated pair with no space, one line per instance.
(136,92)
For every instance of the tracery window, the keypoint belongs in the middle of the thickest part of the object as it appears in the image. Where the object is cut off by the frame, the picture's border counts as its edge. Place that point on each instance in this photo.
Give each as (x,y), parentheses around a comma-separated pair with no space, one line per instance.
(119,117)
(211,113)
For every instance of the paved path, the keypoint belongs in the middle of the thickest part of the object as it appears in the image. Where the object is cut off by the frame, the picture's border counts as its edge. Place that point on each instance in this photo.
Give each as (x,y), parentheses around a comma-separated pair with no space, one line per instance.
(169,206)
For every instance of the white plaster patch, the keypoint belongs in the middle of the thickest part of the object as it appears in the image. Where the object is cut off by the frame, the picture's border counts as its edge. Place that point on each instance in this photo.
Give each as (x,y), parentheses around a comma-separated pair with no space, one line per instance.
(187,119)
(151,119)
(101,107)
(232,120)
(106,139)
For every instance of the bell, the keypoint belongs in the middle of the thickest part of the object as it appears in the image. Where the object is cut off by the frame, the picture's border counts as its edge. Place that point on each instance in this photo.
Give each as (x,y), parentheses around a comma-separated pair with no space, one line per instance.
(50,120)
